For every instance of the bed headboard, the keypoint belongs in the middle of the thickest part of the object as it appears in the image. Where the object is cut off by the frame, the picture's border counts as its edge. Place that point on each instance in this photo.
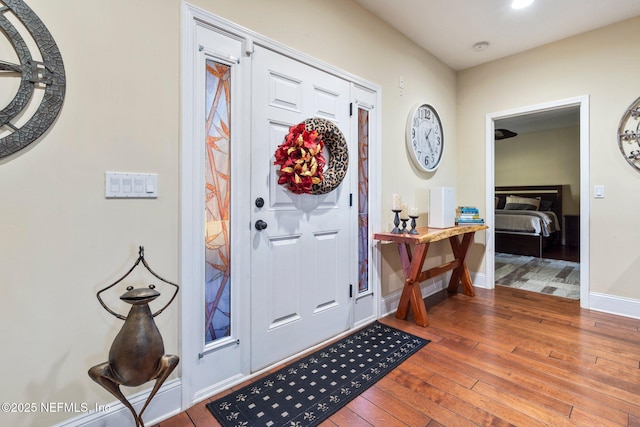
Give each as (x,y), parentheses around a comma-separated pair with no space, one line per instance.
(552,193)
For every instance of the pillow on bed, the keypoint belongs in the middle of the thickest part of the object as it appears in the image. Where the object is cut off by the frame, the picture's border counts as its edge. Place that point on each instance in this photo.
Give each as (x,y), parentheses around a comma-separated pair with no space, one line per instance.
(545,205)
(516,203)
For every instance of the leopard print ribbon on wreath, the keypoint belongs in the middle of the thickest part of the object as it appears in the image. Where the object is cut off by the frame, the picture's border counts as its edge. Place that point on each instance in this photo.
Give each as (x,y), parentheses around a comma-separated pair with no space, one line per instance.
(338,154)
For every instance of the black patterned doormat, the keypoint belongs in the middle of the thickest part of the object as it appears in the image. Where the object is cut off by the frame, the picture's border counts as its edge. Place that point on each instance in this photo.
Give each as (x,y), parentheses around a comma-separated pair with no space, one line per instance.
(311,389)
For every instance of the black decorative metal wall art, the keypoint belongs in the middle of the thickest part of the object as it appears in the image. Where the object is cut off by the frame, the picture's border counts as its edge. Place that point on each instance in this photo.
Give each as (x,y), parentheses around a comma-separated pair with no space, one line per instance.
(46,74)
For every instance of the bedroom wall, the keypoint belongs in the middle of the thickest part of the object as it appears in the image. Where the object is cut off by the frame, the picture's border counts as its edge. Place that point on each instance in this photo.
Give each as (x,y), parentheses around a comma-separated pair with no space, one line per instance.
(62,241)
(603,65)
(547,157)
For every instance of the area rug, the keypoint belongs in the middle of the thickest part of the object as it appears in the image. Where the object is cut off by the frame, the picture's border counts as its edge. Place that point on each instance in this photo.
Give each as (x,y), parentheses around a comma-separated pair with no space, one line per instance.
(547,276)
(311,389)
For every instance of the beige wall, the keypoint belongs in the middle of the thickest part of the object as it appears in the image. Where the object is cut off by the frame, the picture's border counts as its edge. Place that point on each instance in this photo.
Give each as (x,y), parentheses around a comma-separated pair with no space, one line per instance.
(62,241)
(550,157)
(603,65)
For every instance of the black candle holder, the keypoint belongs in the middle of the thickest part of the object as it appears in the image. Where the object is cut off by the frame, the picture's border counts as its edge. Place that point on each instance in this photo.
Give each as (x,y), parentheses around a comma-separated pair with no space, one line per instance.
(396,221)
(413,225)
(404,225)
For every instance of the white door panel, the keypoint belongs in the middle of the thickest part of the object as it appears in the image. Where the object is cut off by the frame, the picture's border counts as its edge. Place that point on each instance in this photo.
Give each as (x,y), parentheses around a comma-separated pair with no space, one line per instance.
(300,265)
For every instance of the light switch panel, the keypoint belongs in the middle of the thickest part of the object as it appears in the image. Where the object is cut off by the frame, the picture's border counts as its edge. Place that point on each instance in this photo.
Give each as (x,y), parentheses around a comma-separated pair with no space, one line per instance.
(124,185)
(598,191)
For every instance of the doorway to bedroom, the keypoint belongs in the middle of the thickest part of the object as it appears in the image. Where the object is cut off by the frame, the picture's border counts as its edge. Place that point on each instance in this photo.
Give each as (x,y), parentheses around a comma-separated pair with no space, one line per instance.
(537,177)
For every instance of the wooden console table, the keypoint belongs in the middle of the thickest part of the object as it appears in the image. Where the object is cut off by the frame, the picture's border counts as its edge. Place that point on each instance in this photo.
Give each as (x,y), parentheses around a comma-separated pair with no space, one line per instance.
(413,260)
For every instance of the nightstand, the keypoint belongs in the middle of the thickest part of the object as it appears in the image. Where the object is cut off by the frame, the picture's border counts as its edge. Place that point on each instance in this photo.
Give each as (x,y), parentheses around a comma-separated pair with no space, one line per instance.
(572,230)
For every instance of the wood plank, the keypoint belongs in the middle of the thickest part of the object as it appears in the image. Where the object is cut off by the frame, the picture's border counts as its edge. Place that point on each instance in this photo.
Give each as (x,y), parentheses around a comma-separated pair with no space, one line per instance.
(399,409)
(409,389)
(347,417)
(531,409)
(180,420)
(201,416)
(428,234)
(373,414)
(504,383)
(440,389)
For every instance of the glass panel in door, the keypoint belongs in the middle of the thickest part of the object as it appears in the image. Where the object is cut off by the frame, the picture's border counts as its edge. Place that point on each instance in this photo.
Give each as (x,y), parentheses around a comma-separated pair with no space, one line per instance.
(217,202)
(363,200)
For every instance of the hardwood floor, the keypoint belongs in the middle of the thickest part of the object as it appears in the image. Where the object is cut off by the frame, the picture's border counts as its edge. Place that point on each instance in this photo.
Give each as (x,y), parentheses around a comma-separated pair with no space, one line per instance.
(504,357)
(567,253)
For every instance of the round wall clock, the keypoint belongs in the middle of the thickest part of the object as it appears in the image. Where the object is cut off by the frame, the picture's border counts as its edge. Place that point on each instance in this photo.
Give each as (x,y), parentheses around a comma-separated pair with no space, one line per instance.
(629,134)
(38,70)
(425,137)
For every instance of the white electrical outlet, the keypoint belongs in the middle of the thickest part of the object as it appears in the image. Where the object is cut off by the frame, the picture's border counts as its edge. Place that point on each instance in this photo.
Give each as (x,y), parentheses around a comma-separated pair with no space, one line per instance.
(122,185)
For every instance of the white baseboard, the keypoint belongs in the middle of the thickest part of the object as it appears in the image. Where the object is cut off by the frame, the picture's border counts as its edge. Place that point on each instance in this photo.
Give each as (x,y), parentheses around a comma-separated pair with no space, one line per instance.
(219,387)
(479,280)
(627,307)
(165,404)
(389,304)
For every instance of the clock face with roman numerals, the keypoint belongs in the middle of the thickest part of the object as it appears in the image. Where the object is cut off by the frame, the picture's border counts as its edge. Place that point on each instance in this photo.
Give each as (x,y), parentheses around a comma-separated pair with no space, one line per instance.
(629,134)
(425,137)
(37,73)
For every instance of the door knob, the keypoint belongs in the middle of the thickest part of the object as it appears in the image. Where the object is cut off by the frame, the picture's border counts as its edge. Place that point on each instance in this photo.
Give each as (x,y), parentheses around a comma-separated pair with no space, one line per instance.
(260,225)
(259,202)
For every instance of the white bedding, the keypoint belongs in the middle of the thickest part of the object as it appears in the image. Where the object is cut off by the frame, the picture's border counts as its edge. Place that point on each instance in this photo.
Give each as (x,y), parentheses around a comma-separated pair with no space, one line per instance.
(537,222)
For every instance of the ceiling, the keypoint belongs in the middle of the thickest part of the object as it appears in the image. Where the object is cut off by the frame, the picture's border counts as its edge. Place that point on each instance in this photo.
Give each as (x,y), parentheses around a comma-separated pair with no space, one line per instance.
(448,29)
(541,120)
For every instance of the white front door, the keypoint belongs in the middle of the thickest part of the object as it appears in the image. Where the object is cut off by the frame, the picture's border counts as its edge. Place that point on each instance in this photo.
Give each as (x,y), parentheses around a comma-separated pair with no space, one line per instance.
(301,262)
(286,288)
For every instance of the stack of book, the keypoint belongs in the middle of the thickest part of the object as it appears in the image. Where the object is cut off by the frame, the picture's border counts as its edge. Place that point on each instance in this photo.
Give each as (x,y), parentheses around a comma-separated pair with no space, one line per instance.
(468,215)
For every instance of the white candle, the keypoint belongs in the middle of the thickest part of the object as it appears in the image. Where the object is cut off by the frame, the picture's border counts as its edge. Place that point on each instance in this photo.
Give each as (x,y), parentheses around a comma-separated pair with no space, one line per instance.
(396,202)
(404,212)
(413,212)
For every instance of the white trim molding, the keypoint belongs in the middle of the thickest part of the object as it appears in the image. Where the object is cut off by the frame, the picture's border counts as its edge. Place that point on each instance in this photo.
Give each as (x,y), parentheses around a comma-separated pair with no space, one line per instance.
(620,306)
(165,404)
(583,103)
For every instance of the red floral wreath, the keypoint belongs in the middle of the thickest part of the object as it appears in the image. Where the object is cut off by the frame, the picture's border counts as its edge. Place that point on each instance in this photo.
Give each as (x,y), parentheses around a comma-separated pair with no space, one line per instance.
(301,160)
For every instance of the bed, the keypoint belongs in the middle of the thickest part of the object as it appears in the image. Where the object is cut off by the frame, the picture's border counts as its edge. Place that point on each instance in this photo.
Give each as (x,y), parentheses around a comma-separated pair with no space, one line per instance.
(527,218)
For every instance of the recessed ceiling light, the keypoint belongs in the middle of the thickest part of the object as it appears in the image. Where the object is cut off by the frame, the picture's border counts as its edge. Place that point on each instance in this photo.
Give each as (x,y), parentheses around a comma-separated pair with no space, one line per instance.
(521,4)
(480,46)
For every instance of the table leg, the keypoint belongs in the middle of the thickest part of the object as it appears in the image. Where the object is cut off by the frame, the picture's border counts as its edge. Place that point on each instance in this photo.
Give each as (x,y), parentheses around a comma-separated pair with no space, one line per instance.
(411,293)
(461,273)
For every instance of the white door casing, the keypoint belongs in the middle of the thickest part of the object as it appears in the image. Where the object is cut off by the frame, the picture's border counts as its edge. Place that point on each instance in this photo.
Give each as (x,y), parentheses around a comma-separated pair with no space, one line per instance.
(300,273)
(583,103)
(207,370)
